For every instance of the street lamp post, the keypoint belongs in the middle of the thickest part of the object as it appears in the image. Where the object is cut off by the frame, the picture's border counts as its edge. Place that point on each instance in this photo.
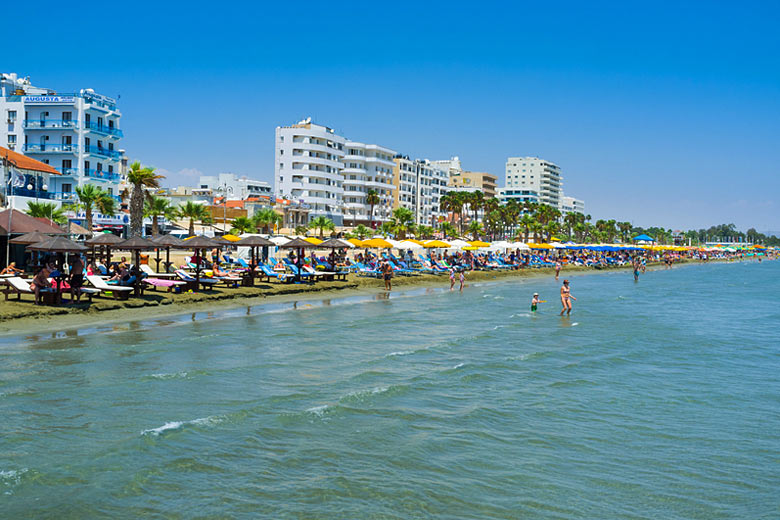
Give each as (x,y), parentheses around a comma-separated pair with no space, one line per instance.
(224,190)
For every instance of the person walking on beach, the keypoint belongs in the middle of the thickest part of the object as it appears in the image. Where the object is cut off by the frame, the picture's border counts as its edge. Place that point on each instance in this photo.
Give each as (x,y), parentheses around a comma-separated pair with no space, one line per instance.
(452,278)
(566,298)
(462,279)
(557,268)
(387,275)
(76,279)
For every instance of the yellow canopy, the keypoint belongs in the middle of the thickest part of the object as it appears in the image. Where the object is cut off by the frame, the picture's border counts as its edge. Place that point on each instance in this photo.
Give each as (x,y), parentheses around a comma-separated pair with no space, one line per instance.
(313,240)
(420,242)
(231,238)
(355,242)
(435,243)
(380,243)
(470,248)
(479,243)
(541,246)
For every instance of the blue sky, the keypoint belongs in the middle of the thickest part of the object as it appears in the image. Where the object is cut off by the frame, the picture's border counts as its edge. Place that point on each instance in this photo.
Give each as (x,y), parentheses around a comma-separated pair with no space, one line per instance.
(661,113)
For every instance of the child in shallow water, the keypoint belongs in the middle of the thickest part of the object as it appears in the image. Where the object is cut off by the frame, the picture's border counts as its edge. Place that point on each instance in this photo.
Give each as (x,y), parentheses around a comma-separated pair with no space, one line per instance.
(535,301)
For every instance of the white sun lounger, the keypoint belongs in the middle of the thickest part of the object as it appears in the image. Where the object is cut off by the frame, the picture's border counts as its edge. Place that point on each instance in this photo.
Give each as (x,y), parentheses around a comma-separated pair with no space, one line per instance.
(118,291)
(149,272)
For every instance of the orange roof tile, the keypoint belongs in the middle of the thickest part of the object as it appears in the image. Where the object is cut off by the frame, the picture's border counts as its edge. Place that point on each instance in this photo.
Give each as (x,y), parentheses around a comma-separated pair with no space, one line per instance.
(26,163)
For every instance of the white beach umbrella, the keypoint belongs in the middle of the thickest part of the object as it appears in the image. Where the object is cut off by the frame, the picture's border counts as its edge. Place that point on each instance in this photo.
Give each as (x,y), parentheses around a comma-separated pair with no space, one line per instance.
(519,245)
(458,244)
(501,244)
(407,244)
(279,241)
(396,243)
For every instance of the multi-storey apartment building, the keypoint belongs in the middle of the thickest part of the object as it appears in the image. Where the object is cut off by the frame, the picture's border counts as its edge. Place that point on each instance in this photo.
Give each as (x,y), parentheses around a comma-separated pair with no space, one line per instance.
(419,186)
(537,177)
(474,181)
(332,175)
(572,205)
(367,167)
(232,186)
(76,133)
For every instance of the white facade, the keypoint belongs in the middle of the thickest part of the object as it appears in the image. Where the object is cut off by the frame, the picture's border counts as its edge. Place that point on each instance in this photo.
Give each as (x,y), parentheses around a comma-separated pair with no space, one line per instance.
(572,205)
(367,167)
(308,166)
(534,175)
(419,186)
(452,165)
(331,175)
(518,195)
(234,187)
(76,133)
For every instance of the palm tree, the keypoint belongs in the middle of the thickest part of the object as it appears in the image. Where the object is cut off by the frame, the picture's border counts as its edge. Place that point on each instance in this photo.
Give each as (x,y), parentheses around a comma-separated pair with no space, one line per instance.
(243,225)
(526,221)
(361,231)
(155,207)
(447,229)
(536,229)
(424,232)
(625,231)
(194,212)
(267,219)
(140,178)
(403,222)
(372,199)
(475,228)
(386,228)
(550,229)
(92,197)
(47,210)
(301,230)
(476,201)
(322,223)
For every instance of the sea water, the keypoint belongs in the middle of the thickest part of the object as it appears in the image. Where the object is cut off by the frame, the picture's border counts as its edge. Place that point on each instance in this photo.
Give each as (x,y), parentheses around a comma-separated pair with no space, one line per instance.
(656,399)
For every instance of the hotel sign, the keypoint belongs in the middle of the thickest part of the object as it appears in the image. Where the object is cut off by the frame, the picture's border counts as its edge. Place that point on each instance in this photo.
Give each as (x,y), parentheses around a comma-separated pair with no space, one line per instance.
(49,100)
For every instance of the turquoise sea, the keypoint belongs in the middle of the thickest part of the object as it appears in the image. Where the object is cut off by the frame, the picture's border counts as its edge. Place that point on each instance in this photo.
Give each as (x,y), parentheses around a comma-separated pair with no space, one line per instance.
(657,399)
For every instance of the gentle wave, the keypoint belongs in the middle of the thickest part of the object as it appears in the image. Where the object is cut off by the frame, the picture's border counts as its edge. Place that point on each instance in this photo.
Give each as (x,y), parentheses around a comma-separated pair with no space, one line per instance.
(176,425)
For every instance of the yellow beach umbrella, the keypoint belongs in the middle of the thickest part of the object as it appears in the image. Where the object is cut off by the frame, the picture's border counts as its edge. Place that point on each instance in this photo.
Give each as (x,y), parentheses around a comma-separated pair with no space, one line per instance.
(479,243)
(436,243)
(313,240)
(380,243)
(470,248)
(541,246)
(418,242)
(231,238)
(355,242)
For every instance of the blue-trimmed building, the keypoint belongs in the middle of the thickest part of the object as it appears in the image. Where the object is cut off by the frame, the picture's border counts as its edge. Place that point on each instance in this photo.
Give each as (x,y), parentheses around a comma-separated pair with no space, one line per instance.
(78,134)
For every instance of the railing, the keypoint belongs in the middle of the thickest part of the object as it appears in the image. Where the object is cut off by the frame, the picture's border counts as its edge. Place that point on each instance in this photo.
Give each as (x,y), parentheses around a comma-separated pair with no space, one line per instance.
(104,129)
(40,194)
(33,124)
(51,148)
(105,152)
(71,172)
(100,174)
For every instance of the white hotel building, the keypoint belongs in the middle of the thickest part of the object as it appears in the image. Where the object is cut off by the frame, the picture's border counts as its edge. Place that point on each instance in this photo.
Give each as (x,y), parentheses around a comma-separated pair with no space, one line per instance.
(420,184)
(531,179)
(76,133)
(331,175)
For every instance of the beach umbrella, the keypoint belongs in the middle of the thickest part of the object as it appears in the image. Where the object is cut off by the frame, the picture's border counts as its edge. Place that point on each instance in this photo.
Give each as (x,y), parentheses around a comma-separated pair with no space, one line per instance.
(230,238)
(501,244)
(166,241)
(432,244)
(104,241)
(299,244)
(313,240)
(409,244)
(336,243)
(519,245)
(478,243)
(355,242)
(279,241)
(643,238)
(379,243)
(136,245)
(61,246)
(540,246)
(394,243)
(30,238)
(458,244)
(253,242)
(198,243)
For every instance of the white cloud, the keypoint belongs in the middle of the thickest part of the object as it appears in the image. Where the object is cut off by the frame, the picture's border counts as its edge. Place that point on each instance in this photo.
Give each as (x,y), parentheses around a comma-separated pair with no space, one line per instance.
(182,177)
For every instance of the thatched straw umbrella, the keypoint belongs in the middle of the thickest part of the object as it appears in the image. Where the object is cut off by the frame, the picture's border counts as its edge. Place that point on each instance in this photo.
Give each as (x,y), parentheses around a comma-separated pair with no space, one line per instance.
(253,242)
(136,245)
(299,244)
(61,246)
(199,243)
(104,241)
(166,241)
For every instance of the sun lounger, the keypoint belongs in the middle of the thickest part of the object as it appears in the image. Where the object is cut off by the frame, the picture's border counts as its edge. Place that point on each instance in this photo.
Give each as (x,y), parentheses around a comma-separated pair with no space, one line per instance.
(150,272)
(15,285)
(118,291)
(167,284)
(269,273)
(192,282)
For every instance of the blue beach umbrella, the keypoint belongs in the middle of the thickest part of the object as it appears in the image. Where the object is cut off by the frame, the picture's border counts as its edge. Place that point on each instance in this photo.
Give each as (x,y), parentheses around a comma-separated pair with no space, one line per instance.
(644,238)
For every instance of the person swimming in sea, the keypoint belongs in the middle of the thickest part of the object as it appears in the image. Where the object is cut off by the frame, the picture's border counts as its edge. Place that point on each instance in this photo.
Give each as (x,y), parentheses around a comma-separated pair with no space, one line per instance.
(535,301)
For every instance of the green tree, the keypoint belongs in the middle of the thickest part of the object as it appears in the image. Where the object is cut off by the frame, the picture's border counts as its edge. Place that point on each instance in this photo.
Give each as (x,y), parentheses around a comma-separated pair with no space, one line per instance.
(301,230)
(476,201)
(155,207)
(195,213)
(475,228)
(47,210)
(372,199)
(267,219)
(402,222)
(140,178)
(424,232)
(90,197)
(386,228)
(625,231)
(361,231)
(526,222)
(447,229)
(322,223)
(243,225)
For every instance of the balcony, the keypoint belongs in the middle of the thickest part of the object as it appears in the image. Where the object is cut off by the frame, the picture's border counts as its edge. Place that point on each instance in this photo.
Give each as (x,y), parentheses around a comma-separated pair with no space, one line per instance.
(103,129)
(51,148)
(99,174)
(69,172)
(102,152)
(51,124)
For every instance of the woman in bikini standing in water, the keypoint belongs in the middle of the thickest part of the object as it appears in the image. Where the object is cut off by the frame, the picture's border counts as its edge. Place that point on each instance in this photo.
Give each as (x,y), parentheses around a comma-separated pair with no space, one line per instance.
(566,298)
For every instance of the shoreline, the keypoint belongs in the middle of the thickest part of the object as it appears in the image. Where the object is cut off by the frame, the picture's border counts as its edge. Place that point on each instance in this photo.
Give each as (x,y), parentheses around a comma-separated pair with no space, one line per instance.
(30,319)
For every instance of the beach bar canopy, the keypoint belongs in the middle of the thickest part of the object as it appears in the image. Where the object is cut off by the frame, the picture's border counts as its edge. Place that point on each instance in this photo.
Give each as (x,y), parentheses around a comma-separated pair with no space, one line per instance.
(61,246)
(197,244)
(104,240)
(643,238)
